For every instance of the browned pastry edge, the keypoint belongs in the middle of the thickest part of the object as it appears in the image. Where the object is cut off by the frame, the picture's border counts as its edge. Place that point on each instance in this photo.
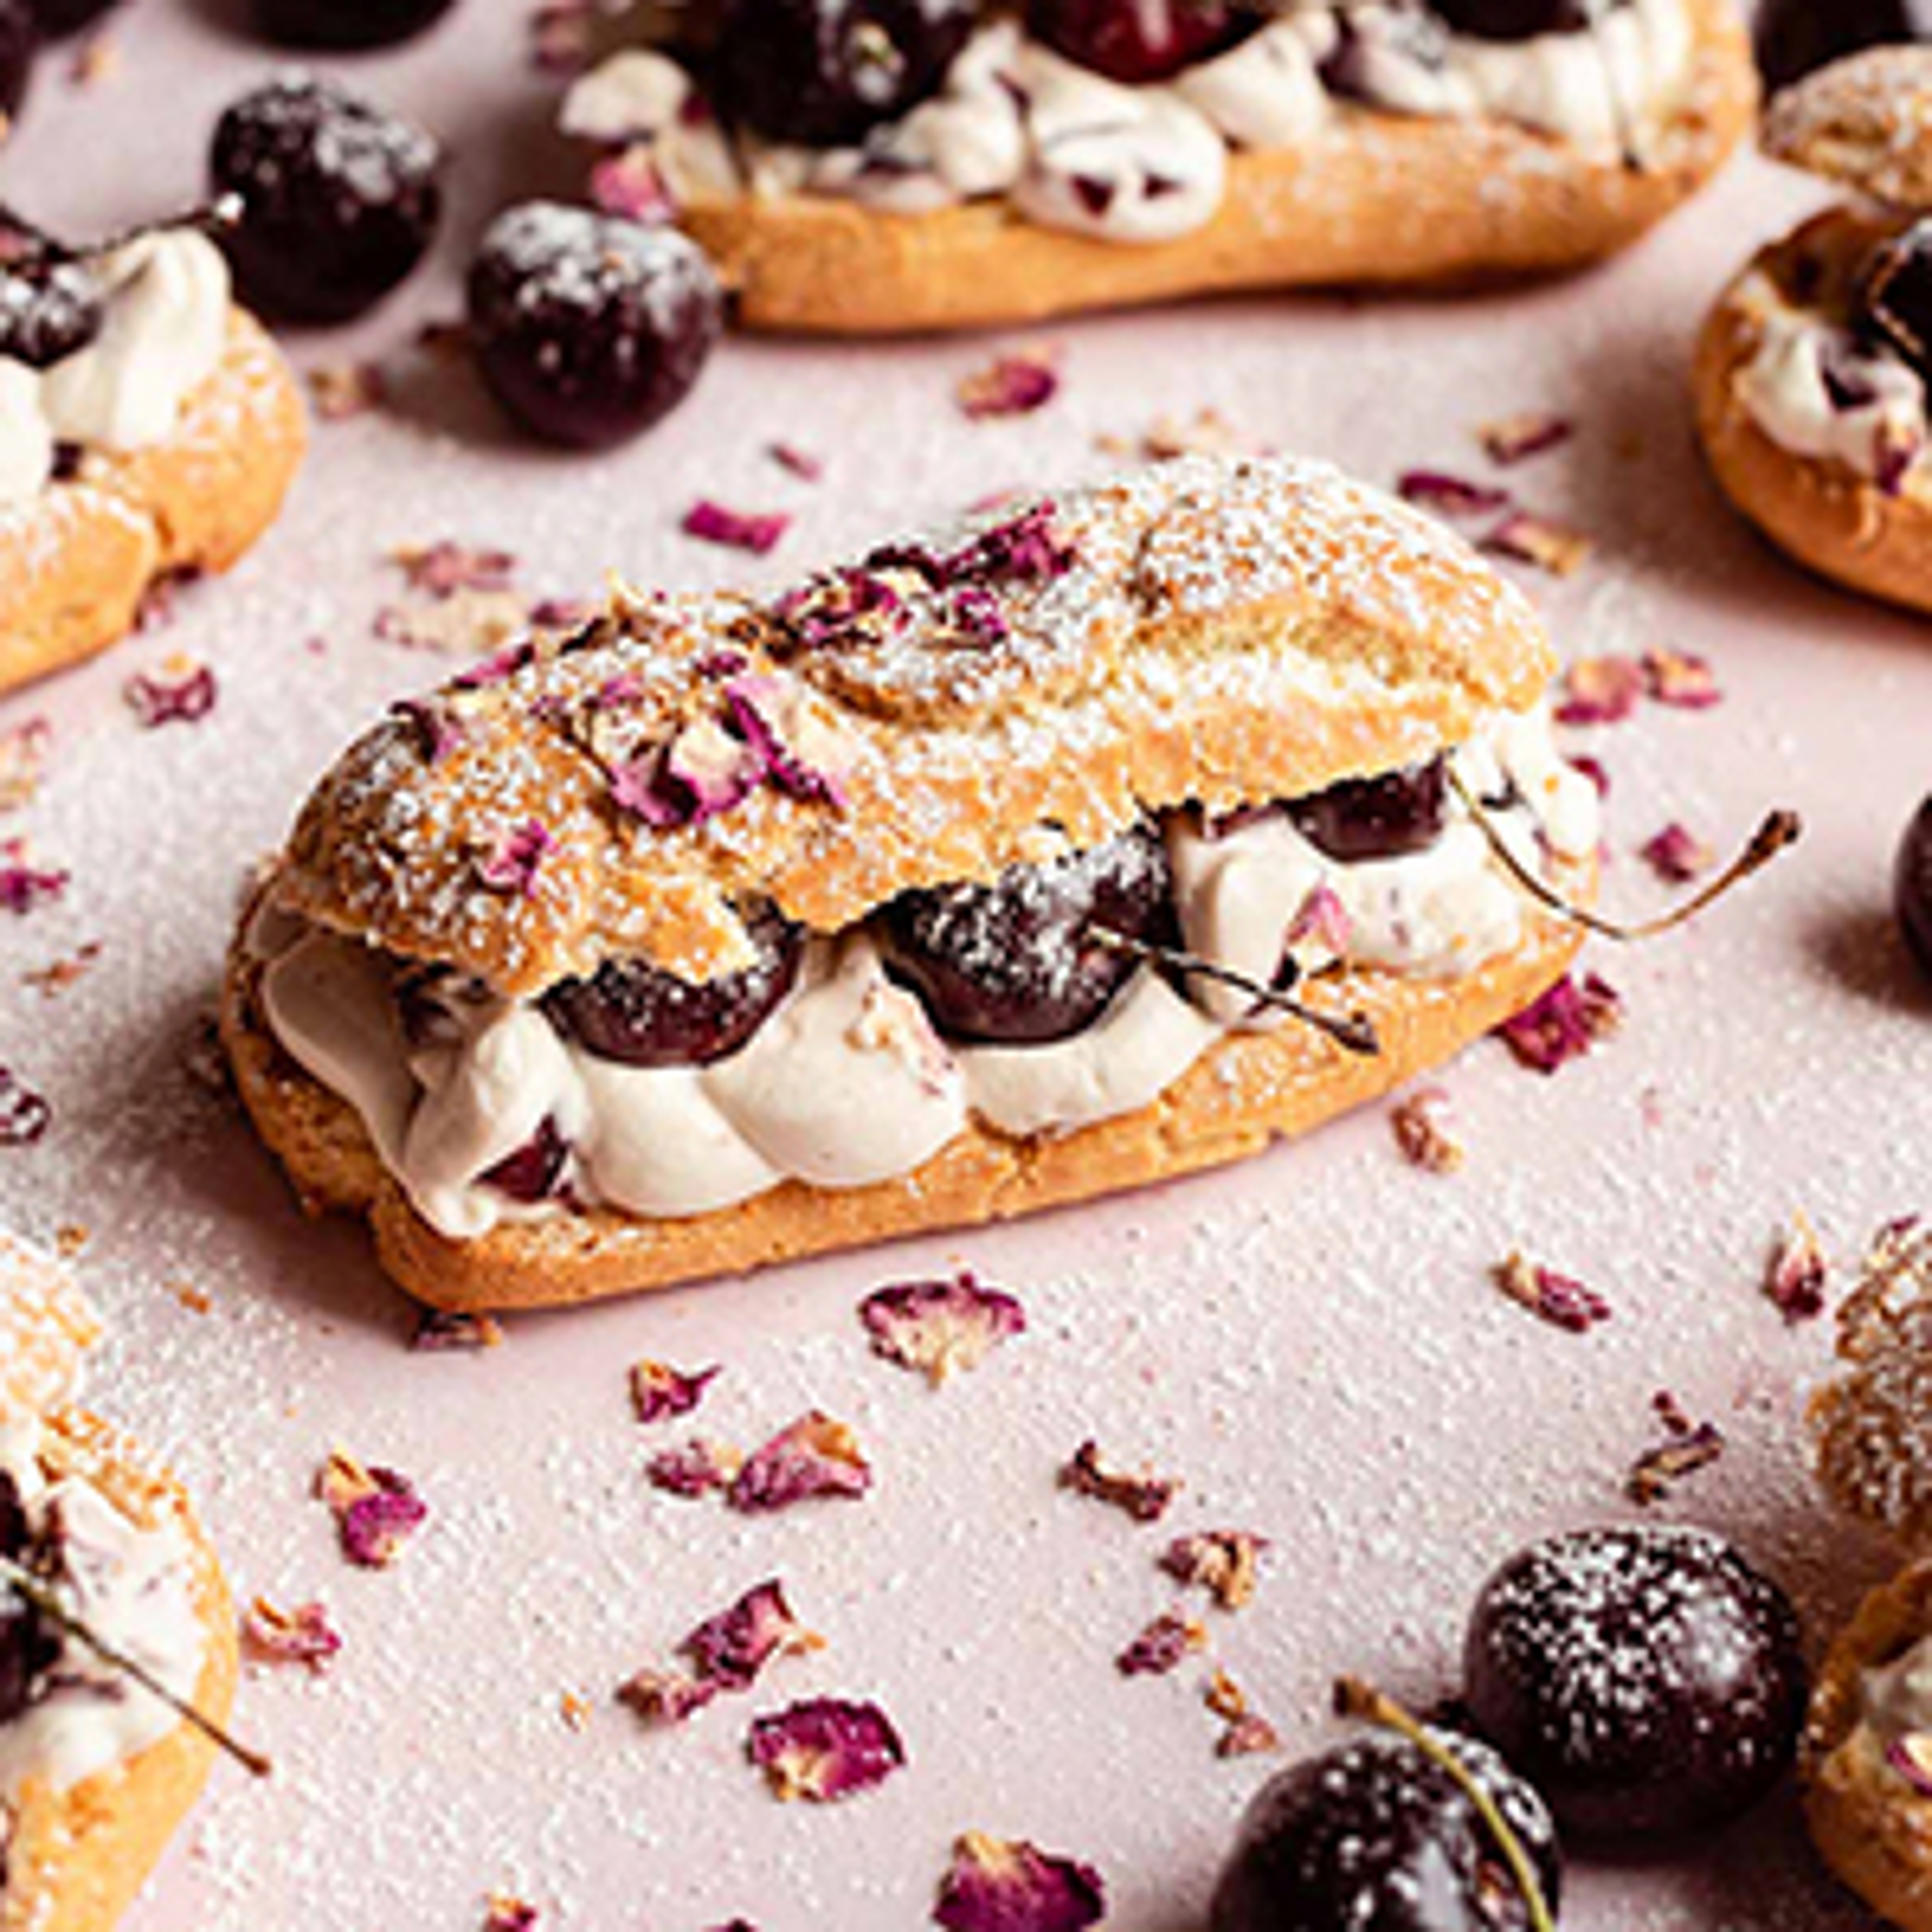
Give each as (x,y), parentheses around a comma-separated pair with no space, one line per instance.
(1823,514)
(1384,200)
(75,563)
(79,1857)
(1246,1090)
(1873,1830)
(1865,121)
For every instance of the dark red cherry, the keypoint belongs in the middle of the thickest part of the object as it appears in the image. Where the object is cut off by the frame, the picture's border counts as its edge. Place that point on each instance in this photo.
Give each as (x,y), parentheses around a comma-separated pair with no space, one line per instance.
(56,18)
(588,327)
(1795,36)
(1381,817)
(629,1011)
(1017,962)
(826,72)
(340,199)
(1136,41)
(19,41)
(534,1171)
(1515,19)
(1912,886)
(1894,303)
(1649,1681)
(1376,1836)
(47,312)
(346,23)
(29,1647)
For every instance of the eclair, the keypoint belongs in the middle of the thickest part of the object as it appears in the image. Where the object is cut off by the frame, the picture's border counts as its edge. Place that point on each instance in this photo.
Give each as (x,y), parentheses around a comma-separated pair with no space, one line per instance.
(96,1771)
(1811,370)
(149,429)
(730,930)
(954,164)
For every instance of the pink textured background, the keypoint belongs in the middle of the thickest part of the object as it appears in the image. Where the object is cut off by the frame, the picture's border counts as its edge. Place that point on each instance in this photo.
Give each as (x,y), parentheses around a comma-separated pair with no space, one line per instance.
(1309,1340)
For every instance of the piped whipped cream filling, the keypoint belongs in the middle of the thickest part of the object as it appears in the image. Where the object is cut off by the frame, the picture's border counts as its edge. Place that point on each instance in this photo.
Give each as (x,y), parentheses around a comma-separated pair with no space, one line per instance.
(1818,390)
(163,329)
(847,1082)
(133,1587)
(1077,151)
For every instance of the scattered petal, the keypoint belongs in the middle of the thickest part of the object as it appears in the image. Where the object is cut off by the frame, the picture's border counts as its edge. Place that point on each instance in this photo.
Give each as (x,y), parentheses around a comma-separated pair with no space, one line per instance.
(667,1697)
(1322,919)
(181,692)
(1799,1275)
(1562,1300)
(658,1391)
(1599,691)
(737,530)
(694,1469)
(24,749)
(441,1331)
(1423,1124)
(1225,1562)
(442,568)
(801,463)
(630,184)
(798,751)
(24,885)
(1009,1884)
(1449,495)
(1677,855)
(1246,1736)
(825,1748)
(1678,679)
(1524,537)
(512,864)
(59,975)
(438,728)
(1594,770)
(815,1456)
(704,771)
(1515,438)
(341,390)
(304,1635)
(377,1511)
(24,1115)
(1145,1498)
(731,1649)
(936,1327)
(1564,1024)
(1162,1646)
(1012,385)
(1688,1447)
(507,1914)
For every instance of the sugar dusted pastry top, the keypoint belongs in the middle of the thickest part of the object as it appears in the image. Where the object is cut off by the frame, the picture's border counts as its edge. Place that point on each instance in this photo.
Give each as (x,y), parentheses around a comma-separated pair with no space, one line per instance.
(1229,632)
(1866,121)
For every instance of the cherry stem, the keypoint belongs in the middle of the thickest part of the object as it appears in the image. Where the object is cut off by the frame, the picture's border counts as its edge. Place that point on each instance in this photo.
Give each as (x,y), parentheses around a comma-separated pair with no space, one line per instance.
(1355,1031)
(1779,830)
(1354,1698)
(42,1598)
(47,251)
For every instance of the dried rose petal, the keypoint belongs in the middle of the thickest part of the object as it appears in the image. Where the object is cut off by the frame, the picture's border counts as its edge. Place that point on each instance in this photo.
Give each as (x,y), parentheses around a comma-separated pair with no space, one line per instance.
(630,183)
(512,864)
(1594,770)
(815,1456)
(377,1511)
(936,1327)
(59,975)
(853,605)
(24,886)
(24,1115)
(732,1647)
(439,730)
(1025,548)
(341,390)
(801,463)
(703,772)
(694,1469)
(441,1331)
(1009,1884)
(1798,1274)
(1562,1300)
(712,522)
(507,1914)
(1424,1131)
(1225,1562)
(181,692)
(1514,439)
(667,1697)
(1564,1024)
(1911,1757)
(304,1635)
(1145,1497)
(444,567)
(1323,918)
(658,1391)
(1246,1736)
(1677,855)
(499,667)
(1524,537)
(1450,496)
(1013,385)
(1690,1447)
(1162,1646)
(1678,678)
(825,1748)
(797,752)
(1600,691)
(24,751)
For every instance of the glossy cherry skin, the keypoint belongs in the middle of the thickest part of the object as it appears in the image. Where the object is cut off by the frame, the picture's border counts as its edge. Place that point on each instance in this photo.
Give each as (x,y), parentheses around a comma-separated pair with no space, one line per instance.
(1514,20)
(1911,885)
(1894,303)
(346,23)
(1139,41)
(1375,1836)
(1380,818)
(19,41)
(1648,1681)
(47,314)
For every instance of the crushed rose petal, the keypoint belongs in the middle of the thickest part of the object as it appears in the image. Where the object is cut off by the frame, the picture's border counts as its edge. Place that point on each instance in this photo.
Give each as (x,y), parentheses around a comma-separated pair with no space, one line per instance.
(443,1331)
(1012,385)
(814,1456)
(1677,855)
(342,390)
(667,1697)
(658,1391)
(1799,1275)
(304,1635)
(1423,1124)
(1689,1447)
(25,1114)
(1524,537)
(1515,438)
(59,975)
(825,1748)
(693,1469)
(1226,1563)
(508,1914)
(799,463)
(23,885)
(1562,1300)
(1162,1646)
(1450,496)
(630,184)
(439,730)
(732,1647)
(1599,691)
(712,522)
(1009,1885)
(1564,1024)
(1145,1498)
(377,1511)
(1247,1735)
(1911,1757)
(181,692)
(443,567)
(1678,679)
(797,752)
(936,1327)
(24,749)
(512,864)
